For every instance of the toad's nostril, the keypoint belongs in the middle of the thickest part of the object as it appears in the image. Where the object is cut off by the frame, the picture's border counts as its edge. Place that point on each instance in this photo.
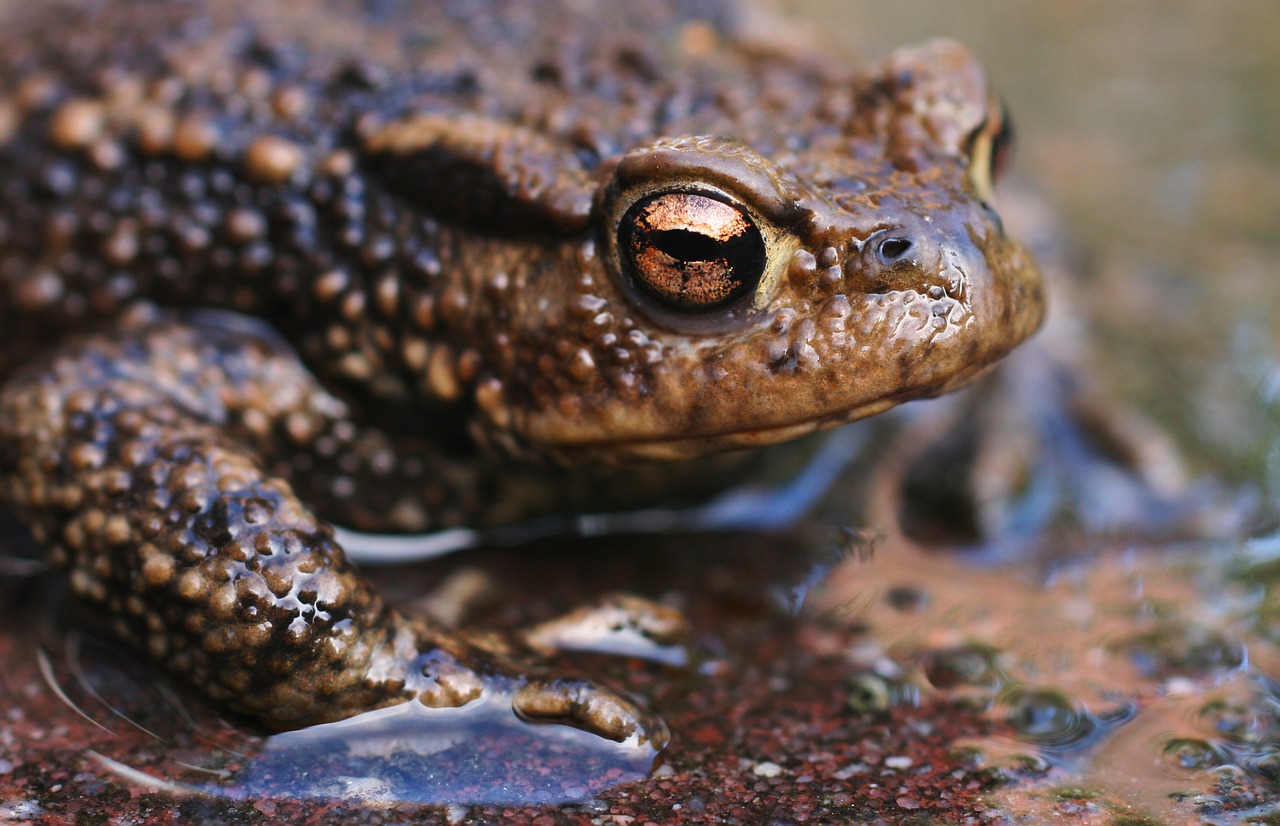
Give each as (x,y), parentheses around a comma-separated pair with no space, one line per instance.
(893,250)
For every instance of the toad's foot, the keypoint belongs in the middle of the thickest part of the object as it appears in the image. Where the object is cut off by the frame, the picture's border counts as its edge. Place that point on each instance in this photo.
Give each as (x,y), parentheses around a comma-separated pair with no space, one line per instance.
(134,457)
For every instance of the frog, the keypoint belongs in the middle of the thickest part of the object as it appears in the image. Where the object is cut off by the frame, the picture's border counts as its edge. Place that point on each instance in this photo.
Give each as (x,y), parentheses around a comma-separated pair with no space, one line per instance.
(408,266)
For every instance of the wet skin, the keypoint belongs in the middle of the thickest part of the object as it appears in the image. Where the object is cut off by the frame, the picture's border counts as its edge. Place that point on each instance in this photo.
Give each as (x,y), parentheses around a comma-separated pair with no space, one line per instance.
(408,268)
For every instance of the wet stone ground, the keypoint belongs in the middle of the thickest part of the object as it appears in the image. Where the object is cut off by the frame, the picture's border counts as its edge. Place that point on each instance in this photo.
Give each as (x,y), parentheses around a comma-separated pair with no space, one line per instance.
(900,703)
(774,720)
(1090,678)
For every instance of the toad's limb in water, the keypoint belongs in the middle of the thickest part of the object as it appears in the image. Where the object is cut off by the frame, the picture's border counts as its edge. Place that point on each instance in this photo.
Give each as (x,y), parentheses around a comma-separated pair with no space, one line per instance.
(136,467)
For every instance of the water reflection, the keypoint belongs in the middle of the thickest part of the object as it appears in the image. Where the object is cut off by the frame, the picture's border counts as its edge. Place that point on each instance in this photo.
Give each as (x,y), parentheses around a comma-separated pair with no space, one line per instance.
(481,753)
(1143,677)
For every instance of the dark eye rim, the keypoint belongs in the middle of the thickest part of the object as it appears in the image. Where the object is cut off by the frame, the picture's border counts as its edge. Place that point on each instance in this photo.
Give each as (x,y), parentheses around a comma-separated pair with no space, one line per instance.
(753,249)
(1002,142)
(989,148)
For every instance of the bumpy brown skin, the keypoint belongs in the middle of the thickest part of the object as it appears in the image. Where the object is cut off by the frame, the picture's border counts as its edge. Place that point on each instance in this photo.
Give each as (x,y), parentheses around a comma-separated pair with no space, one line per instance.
(423,200)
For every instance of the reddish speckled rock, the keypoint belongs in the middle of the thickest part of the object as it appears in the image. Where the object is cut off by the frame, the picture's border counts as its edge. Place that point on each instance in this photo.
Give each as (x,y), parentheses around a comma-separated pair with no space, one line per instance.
(780,697)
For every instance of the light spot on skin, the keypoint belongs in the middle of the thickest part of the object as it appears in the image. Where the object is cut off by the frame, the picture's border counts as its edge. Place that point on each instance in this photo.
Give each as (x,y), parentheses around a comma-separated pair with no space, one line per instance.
(41,290)
(581,366)
(116,531)
(338,338)
(222,602)
(191,585)
(352,307)
(194,139)
(121,247)
(155,128)
(424,313)
(87,456)
(290,103)
(157,568)
(244,225)
(338,164)
(803,262)
(106,155)
(355,366)
(272,160)
(331,285)
(441,376)
(77,123)
(491,400)
(468,365)
(698,38)
(415,352)
(387,294)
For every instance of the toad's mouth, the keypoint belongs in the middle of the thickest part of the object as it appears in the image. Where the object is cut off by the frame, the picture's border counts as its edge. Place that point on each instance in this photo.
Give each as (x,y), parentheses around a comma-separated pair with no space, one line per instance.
(679,447)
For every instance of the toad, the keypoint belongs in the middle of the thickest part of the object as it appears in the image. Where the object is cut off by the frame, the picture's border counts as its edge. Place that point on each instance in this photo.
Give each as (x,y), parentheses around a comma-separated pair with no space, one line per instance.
(408,266)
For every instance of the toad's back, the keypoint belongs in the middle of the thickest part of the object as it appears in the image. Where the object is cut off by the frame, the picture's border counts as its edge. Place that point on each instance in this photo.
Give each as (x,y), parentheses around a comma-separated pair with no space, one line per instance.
(216,153)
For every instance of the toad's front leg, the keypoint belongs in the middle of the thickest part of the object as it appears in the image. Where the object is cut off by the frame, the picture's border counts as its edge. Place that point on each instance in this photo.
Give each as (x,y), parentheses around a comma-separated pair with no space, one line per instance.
(134,457)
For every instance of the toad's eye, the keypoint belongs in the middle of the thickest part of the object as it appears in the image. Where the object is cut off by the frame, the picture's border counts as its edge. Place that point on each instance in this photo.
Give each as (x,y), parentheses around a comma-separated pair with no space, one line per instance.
(691,252)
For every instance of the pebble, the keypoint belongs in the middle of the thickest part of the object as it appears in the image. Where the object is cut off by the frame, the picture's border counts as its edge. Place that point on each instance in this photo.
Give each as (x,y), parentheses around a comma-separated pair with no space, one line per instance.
(767,769)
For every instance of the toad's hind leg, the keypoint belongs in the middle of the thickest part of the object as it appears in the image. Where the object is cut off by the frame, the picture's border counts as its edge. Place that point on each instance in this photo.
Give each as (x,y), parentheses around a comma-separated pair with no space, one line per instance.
(134,457)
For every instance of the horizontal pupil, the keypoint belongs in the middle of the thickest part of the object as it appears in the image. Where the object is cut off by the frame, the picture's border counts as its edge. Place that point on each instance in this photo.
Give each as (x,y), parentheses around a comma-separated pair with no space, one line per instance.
(692,253)
(683,245)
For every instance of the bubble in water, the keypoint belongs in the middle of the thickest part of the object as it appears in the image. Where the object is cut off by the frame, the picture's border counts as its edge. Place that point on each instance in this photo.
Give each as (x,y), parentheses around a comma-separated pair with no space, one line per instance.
(1192,753)
(1049,719)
